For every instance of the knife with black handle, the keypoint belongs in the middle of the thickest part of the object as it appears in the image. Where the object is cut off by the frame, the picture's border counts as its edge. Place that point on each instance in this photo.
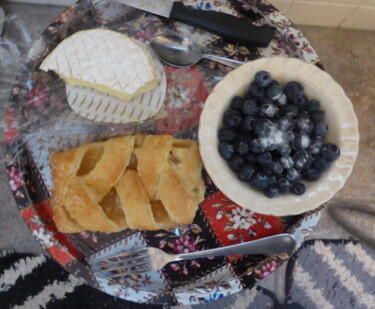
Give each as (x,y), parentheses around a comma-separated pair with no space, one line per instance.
(227,26)
(231,28)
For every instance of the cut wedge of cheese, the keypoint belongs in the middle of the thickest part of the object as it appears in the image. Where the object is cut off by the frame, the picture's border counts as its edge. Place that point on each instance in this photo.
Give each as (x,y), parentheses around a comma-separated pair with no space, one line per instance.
(105,60)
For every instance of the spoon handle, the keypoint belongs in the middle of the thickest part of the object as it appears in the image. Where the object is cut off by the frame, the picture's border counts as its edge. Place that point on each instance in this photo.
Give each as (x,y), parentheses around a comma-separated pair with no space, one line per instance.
(226,61)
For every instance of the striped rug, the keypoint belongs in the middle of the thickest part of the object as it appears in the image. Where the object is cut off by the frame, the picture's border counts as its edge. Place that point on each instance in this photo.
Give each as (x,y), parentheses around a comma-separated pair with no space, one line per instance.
(332,274)
(34,282)
(323,274)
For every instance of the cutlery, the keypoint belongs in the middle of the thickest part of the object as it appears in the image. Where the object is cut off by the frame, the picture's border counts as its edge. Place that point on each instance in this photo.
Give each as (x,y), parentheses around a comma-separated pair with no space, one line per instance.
(229,27)
(153,259)
(180,51)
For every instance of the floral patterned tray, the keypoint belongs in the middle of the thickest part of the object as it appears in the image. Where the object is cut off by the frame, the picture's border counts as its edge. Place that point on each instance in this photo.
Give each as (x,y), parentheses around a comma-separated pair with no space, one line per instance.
(39,121)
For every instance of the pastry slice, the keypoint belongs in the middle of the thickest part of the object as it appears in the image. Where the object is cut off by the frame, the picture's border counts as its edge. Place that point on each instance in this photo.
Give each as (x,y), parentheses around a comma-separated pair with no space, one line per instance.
(152,158)
(82,206)
(140,212)
(179,204)
(104,164)
(64,166)
(99,164)
(186,162)
(64,222)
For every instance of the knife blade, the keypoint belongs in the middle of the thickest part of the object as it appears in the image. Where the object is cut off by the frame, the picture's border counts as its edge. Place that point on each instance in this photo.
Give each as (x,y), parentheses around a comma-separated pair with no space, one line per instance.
(229,27)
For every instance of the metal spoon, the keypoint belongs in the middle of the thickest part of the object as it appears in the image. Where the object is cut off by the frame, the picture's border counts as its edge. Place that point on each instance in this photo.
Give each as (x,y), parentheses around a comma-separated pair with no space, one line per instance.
(180,51)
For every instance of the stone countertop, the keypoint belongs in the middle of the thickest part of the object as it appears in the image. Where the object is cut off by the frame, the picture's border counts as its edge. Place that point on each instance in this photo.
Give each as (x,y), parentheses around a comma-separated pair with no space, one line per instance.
(346,54)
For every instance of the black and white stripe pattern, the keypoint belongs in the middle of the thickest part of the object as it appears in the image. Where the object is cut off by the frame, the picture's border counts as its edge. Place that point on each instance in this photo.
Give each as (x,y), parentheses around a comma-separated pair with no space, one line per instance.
(34,282)
(21,268)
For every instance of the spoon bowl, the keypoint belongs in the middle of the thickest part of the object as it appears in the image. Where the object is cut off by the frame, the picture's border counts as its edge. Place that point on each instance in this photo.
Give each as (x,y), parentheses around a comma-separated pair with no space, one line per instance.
(176,50)
(180,51)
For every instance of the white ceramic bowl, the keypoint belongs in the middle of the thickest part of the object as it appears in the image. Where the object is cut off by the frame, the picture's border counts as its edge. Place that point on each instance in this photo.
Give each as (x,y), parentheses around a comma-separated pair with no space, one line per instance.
(342,131)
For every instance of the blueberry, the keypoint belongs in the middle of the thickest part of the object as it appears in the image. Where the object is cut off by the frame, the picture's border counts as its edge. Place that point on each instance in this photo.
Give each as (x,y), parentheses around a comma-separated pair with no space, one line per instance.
(330,152)
(277,167)
(271,146)
(268,110)
(284,150)
(287,162)
(236,103)
(264,101)
(303,114)
(232,118)
(267,169)
(317,116)
(320,129)
(263,127)
(290,135)
(290,110)
(313,106)
(315,145)
(226,134)
(282,100)
(298,188)
(274,90)
(247,137)
(311,174)
(293,91)
(245,172)
(272,191)
(301,160)
(249,107)
(226,150)
(263,78)
(305,124)
(264,158)
(261,181)
(301,102)
(320,163)
(255,91)
(293,175)
(247,123)
(236,162)
(284,123)
(251,158)
(283,185)
(301,142)
(258,145)
(274,82)
(242,148)
(236,140)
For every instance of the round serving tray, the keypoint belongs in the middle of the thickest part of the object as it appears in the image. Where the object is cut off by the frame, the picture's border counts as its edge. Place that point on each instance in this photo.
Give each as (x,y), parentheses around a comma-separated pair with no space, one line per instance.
(39,121)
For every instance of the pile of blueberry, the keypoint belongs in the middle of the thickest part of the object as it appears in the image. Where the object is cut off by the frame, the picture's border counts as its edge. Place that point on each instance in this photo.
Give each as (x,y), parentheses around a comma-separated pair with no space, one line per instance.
(274,137)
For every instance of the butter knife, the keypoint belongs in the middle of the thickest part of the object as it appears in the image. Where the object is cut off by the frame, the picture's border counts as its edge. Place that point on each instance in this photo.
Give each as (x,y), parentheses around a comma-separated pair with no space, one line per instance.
(229,27)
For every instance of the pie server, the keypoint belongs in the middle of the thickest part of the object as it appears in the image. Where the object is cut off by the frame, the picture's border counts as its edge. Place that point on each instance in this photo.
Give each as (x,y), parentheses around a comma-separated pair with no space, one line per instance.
(227,26)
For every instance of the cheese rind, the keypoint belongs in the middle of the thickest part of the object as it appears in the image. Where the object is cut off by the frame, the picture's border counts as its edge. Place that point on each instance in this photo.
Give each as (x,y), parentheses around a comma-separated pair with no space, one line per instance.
(105,60)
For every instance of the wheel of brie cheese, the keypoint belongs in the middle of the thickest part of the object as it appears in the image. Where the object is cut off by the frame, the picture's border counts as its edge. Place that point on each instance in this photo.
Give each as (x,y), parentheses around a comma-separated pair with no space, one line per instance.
(104,60)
